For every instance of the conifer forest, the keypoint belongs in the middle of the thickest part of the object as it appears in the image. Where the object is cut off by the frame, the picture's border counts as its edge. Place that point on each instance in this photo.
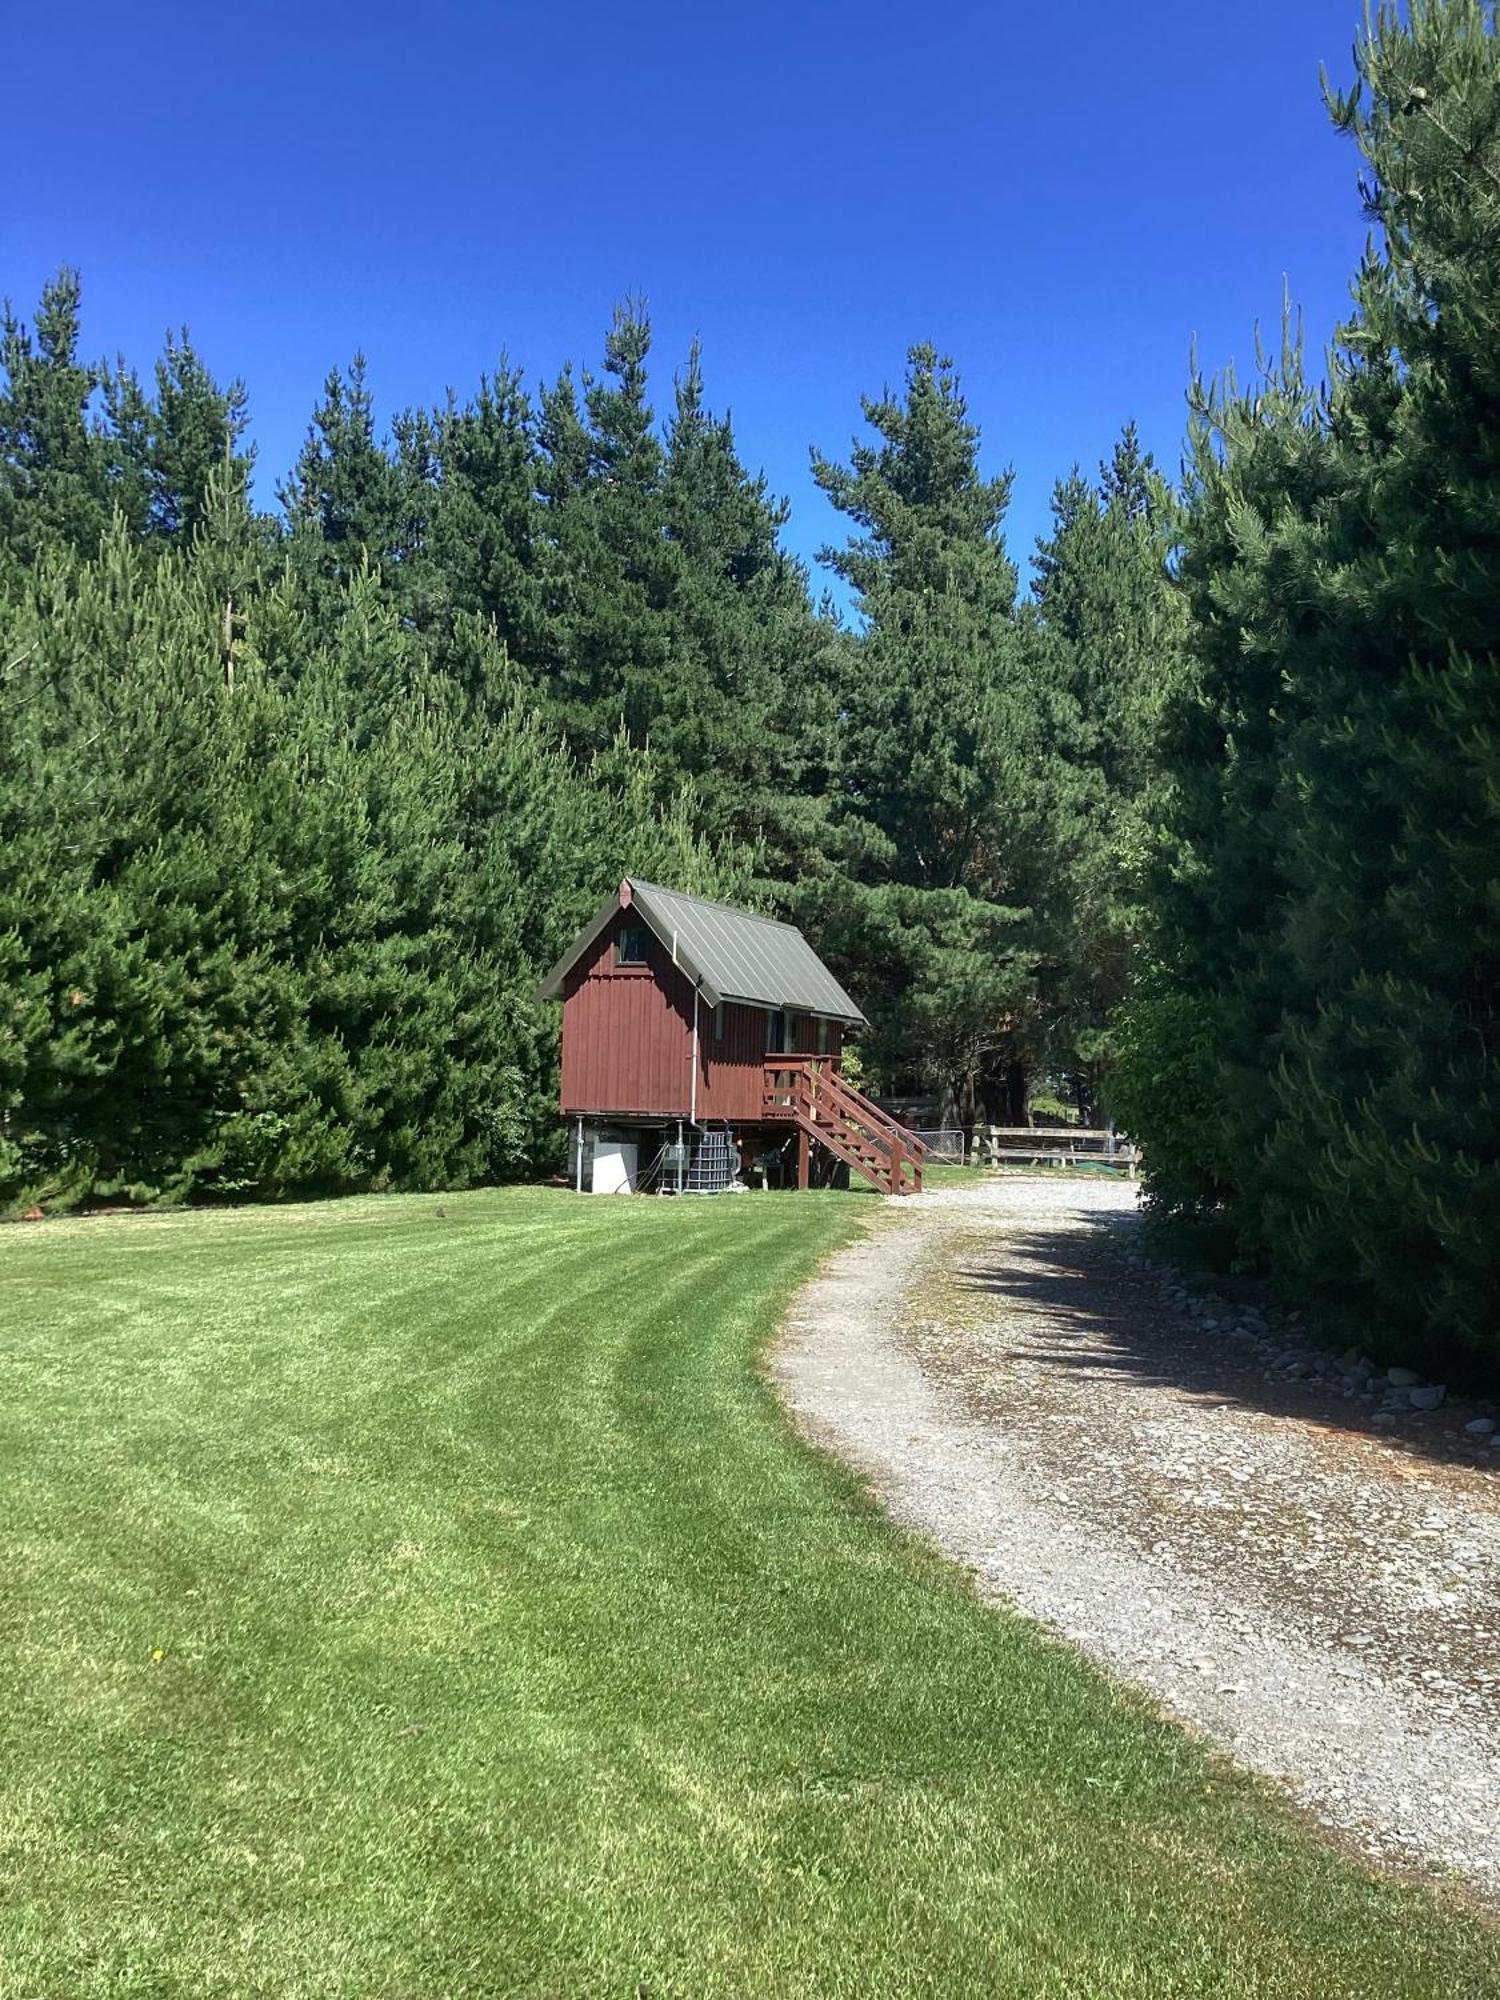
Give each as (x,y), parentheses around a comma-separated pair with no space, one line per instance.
(1190,813)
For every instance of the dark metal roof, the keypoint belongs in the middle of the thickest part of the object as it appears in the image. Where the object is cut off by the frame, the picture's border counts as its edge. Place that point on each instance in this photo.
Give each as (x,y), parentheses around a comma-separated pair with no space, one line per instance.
(728,954)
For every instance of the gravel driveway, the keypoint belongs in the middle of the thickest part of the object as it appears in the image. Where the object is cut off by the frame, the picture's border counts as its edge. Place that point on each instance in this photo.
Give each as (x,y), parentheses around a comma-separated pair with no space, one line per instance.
(1321,1600)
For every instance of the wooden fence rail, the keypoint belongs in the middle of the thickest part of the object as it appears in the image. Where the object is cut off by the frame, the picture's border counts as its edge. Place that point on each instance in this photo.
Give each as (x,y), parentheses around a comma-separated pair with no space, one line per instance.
(1071,1145)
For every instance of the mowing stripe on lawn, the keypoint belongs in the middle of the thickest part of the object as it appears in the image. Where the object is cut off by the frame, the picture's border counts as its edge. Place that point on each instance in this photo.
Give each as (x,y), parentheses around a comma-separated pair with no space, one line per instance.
(413,1603)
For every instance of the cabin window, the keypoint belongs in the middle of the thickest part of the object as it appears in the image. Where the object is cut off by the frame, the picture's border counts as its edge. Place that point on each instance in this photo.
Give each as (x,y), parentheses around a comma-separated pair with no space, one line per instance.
(776,1034)
(719,1022)
(630,947)
(825,1036)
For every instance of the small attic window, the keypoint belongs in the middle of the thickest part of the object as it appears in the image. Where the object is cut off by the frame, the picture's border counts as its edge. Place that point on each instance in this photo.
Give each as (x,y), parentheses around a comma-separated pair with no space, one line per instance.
(630,946)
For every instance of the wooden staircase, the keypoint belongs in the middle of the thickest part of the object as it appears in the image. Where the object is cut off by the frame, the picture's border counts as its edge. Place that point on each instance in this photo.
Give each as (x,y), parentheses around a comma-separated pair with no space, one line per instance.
(809,1092)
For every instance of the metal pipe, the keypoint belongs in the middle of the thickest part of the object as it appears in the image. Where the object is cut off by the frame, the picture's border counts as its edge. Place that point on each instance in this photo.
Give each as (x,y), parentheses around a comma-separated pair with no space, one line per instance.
(693,1094)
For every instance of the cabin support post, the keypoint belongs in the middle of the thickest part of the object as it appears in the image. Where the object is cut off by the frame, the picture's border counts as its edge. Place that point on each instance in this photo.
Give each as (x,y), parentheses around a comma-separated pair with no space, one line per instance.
(804,1161)
(680,1157)
(578,1167)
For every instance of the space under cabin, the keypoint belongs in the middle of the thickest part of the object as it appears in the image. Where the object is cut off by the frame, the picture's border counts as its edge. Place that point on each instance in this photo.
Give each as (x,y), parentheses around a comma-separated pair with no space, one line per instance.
(701,1051)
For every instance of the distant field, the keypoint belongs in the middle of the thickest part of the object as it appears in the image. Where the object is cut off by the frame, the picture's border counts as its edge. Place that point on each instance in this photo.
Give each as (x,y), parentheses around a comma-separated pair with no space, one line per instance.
(425,1597)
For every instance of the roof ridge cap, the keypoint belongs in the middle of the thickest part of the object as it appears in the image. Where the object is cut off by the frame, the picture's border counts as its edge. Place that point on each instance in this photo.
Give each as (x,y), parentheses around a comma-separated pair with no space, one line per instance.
(712,903)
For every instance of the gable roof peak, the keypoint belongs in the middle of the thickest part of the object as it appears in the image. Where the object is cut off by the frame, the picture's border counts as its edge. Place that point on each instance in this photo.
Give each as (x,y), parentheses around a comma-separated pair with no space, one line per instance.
(726,952)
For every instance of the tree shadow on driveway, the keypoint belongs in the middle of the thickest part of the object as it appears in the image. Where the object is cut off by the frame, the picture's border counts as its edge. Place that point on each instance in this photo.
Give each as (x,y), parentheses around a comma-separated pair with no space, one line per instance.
(1089,1310)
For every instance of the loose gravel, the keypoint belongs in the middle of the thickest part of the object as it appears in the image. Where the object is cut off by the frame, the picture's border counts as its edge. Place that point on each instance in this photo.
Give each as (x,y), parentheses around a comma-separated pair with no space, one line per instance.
(1318,1598)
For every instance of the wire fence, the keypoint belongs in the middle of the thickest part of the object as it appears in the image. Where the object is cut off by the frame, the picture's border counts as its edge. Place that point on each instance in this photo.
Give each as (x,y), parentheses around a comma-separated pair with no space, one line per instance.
(945,1144)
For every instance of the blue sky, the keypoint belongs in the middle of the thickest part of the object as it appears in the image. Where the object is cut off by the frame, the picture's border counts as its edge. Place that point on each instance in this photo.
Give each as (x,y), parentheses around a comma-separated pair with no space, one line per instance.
(1062,197)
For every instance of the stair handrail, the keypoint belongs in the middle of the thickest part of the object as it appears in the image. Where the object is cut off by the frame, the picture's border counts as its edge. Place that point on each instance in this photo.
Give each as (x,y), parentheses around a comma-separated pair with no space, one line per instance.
(892,1146)
(800,1084)
(876,1114)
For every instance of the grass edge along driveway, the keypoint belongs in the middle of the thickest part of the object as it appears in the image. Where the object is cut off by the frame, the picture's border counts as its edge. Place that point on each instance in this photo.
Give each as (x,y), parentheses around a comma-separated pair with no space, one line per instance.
(425,1596)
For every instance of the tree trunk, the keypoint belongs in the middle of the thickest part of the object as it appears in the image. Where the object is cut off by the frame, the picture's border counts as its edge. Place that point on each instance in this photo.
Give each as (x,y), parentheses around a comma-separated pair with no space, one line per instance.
(1017,1094)
(963,1100)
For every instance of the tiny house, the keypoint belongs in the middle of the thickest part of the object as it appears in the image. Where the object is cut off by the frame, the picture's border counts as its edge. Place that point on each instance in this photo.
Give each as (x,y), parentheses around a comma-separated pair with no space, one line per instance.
(701,1049)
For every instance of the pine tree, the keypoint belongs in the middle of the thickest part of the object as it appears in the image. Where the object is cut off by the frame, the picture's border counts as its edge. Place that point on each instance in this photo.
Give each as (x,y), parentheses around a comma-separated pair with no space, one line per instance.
(1326,958)
(163,450)
(942,780)
(670,610)
(612,568)
(485,544)
(742,701)
(347,501)
(1112,622)
(54,470)
(194,426)
(1103,588)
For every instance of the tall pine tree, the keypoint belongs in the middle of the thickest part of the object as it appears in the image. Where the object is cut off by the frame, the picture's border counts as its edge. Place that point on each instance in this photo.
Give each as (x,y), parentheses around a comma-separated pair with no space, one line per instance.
(1312,1052)
(944,804)
(54,468)
(1112,621)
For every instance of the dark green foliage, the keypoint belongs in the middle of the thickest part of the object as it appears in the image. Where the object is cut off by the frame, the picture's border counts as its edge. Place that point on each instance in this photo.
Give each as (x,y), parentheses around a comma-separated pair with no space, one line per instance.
(1104,592)
(630,568)
(80,441)
(944,799)
(162,451)
(1112,621)
(273,894)
(349,503)
(1331,918)
(54,471)
(670,610)
(484,544)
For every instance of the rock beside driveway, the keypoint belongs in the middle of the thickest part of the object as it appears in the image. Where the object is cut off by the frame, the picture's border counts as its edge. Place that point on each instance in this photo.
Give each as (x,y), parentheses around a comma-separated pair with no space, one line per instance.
(1283,1351)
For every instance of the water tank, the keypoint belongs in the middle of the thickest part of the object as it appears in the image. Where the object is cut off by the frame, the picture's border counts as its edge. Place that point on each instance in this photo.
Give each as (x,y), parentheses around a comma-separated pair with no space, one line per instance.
(712,1162)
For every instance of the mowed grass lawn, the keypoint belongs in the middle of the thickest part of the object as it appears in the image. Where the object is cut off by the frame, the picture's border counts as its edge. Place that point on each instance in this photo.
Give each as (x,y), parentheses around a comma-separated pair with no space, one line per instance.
(427,1597)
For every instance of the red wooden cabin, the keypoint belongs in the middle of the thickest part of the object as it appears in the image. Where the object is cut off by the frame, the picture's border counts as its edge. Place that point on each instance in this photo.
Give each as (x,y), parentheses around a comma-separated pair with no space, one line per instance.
(701,1041)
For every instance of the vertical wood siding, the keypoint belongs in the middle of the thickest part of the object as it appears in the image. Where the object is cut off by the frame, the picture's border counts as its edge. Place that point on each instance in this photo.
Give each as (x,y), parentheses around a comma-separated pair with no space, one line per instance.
(627,1031)
(729,1077)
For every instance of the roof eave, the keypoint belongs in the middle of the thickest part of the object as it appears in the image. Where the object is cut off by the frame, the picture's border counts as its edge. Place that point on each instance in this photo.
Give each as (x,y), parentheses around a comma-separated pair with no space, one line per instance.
(551,987)
(852,1019)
